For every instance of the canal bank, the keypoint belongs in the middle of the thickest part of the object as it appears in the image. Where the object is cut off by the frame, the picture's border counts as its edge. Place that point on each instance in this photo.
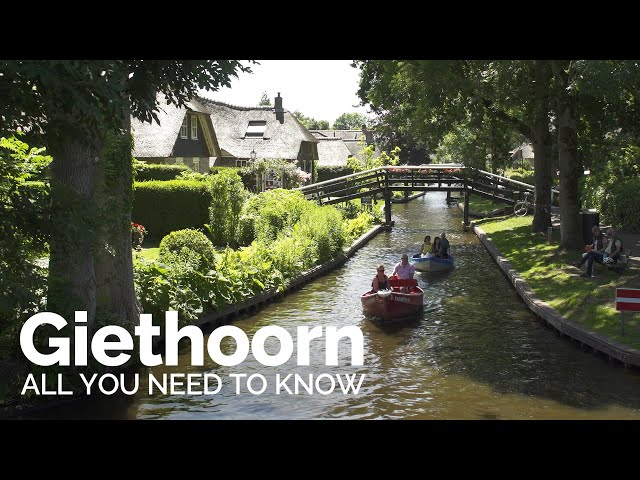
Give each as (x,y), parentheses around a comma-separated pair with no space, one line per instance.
(587,338)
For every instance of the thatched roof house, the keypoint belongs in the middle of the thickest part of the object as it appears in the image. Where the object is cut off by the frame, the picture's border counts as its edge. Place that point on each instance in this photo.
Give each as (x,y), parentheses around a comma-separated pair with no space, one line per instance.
(351,139)
(270,132)
(332,152)
(185,135)
(522,154)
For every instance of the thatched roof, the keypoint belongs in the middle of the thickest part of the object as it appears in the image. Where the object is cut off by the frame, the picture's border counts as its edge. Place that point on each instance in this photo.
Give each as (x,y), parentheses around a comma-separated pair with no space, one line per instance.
(157,141)
(343,134)
(280,140)
(523,151)
(332,152)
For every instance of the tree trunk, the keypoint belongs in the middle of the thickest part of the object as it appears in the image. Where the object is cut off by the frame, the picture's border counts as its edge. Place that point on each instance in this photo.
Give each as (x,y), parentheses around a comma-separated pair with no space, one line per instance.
(542,148)
(116,299)
(570,228)
(72,281)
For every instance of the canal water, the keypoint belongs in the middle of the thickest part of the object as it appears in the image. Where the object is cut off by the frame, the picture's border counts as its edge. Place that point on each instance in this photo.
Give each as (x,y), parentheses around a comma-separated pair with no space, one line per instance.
(476,352)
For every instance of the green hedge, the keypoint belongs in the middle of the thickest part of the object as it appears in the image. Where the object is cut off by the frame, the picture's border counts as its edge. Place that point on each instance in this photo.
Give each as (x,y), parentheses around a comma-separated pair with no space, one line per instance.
(163,207)
(621,205)
(328,173)
(145,172)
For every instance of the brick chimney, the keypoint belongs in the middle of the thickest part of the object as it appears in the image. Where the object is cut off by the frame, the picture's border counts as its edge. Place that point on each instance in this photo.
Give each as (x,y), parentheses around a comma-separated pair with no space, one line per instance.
(278,108)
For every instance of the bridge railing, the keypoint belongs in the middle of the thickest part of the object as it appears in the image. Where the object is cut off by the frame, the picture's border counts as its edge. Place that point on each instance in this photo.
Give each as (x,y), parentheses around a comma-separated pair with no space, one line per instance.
(387,178)
(501,187)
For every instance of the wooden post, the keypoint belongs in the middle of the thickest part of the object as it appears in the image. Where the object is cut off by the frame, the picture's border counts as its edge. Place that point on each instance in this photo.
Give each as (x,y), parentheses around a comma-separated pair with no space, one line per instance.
(622,322)
(387,199)
(466,209)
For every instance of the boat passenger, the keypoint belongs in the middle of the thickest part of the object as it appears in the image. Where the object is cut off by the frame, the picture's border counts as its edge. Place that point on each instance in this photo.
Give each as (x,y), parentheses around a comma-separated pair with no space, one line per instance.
(426,246)
(404,270)
(436,246)
(443,251)
(380,281)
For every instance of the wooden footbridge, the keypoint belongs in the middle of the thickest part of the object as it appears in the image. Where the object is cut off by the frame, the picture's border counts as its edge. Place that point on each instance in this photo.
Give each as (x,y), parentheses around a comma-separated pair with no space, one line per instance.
(380,183)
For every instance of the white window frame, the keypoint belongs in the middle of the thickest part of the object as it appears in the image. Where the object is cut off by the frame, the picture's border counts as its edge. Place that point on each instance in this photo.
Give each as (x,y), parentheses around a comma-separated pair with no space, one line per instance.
(241,163)
(194,127)
(184,130)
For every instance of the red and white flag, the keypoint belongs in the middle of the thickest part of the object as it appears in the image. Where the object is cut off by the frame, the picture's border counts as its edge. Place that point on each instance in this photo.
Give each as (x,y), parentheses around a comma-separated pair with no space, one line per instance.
(628,299)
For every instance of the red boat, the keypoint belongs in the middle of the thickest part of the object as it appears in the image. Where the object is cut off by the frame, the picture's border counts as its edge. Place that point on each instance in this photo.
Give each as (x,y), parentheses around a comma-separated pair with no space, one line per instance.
(402,300)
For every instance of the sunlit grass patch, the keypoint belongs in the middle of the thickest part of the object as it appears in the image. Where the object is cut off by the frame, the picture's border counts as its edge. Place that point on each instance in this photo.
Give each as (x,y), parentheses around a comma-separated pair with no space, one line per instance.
(551,274)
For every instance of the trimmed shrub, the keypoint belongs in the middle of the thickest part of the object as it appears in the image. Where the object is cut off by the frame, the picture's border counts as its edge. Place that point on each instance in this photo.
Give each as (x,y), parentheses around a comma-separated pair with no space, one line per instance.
(330,172)
(144,172)
(175,244)
(163,207)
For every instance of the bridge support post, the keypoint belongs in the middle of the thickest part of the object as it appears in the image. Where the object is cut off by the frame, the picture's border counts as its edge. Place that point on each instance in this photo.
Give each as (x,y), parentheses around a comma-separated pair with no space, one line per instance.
(387,206)
(465,225)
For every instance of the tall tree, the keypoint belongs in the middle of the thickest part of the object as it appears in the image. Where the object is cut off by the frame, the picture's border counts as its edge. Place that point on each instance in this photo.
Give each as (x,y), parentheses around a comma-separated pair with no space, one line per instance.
(311,123)
(81,111)
(350,121)
(480,103)
(570,228)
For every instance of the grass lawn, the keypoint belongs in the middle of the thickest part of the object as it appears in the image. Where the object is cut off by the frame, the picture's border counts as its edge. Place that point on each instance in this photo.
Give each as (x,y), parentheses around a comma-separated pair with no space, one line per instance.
(550,273)
(482,204)
(150,254)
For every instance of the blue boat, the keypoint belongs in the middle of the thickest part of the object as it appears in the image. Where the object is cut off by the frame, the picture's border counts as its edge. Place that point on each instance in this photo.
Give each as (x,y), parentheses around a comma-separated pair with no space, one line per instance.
(431,263)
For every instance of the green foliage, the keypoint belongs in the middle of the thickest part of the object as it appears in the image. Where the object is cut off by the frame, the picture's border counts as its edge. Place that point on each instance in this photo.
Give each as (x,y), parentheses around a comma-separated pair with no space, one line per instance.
(350,121)
(157,171)
(307,234)
(324,226)
(267,214)
(331,172)
(163,207)
(311,123)
(24,235)
(227,198)
(358,226)
(354,164)
(520,175)
(247,176)
(610,188)
(621,204)
(350,209)
(194,246)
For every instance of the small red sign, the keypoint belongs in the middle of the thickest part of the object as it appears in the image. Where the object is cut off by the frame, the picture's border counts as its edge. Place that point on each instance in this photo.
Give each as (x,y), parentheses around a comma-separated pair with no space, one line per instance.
(628,299)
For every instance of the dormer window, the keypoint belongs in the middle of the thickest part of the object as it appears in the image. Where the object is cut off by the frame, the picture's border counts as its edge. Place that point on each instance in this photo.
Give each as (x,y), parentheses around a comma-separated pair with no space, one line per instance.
(256,128)
(194,127)
(183,129)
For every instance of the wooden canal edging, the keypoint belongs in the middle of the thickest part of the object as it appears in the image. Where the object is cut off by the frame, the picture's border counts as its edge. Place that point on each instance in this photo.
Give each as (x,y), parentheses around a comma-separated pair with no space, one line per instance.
(599,343)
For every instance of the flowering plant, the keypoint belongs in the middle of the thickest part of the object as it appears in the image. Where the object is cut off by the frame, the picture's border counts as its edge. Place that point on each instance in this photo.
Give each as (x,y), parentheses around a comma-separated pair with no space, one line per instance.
(137,228)
(303,176)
